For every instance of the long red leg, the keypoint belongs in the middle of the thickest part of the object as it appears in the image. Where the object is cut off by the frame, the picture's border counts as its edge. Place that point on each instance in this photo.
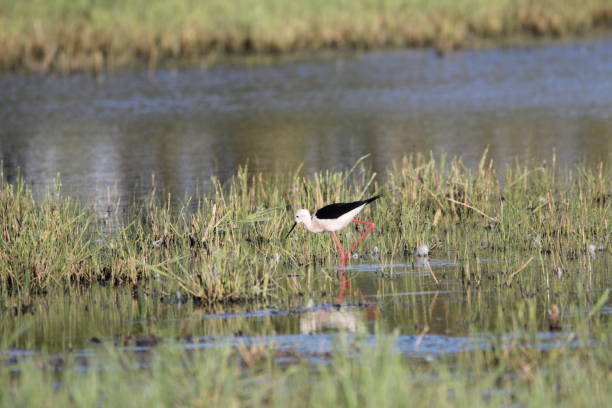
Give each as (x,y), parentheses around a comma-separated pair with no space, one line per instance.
(340,297)
(345,284)
(372,225)
(339,247)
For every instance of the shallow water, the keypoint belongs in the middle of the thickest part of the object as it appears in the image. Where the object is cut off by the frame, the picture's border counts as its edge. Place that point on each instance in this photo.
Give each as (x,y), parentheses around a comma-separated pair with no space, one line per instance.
(116,131)
(401,297)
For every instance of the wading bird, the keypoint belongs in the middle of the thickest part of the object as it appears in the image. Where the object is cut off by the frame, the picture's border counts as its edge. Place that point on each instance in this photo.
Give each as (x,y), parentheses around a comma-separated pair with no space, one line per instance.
(332,218)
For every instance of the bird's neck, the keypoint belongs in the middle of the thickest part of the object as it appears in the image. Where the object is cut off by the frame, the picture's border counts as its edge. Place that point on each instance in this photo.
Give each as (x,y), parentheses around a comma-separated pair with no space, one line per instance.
(311,226)
(308,223)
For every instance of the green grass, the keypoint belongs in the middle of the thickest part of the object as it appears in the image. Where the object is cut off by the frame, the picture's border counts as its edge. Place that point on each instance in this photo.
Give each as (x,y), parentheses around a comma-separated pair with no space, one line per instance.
(226,245)
(360,373)
(504,233)
(87,34)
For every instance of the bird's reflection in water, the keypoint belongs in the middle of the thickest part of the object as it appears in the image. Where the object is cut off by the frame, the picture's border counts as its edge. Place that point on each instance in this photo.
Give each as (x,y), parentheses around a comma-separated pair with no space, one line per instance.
(340,319)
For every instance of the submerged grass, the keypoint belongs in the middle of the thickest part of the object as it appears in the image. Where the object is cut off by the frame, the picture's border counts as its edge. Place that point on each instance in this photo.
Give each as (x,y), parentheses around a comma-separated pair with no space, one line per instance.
(358,372)
(98,35)
(226,246)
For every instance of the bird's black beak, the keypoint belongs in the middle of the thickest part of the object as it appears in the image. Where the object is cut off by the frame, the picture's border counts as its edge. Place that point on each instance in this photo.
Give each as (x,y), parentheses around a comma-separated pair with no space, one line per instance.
(294,224)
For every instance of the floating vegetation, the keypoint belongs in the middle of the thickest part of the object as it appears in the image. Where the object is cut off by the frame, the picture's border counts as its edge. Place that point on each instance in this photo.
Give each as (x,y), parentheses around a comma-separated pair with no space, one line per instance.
(44,35)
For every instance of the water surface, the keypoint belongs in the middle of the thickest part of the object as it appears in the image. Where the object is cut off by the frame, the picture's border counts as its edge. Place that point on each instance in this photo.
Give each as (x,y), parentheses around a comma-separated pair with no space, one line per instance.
(401,297)
(184,126)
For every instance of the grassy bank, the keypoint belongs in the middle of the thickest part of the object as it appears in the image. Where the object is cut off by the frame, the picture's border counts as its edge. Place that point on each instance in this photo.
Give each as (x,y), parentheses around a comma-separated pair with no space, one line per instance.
(99,35)
(512,370)
(227,246)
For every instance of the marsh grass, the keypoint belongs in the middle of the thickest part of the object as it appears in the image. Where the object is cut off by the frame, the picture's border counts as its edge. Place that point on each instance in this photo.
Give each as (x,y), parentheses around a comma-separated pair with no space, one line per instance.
(44,243)
(98,35)
(539,338)
(514,369)
(226,245)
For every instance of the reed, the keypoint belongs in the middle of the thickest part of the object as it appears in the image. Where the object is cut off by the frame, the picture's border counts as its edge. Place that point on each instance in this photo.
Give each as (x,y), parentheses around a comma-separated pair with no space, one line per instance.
(45,35)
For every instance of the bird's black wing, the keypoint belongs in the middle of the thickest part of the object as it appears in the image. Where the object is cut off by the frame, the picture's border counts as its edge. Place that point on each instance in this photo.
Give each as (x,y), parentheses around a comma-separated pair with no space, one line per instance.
(338,209)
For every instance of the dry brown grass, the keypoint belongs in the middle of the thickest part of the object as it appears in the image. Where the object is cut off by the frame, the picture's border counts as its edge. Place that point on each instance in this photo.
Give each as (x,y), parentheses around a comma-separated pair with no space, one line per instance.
(52,35)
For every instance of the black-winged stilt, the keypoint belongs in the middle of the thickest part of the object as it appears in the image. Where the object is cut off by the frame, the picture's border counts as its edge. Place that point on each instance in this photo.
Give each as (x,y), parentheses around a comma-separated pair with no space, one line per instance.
(334,217)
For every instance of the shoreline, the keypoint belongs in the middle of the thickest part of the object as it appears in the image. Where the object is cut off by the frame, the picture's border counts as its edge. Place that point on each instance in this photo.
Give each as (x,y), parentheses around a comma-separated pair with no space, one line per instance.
(50,37)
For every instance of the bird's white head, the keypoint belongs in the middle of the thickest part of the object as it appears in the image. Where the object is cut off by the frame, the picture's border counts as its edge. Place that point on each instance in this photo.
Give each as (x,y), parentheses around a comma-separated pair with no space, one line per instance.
(302,216)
